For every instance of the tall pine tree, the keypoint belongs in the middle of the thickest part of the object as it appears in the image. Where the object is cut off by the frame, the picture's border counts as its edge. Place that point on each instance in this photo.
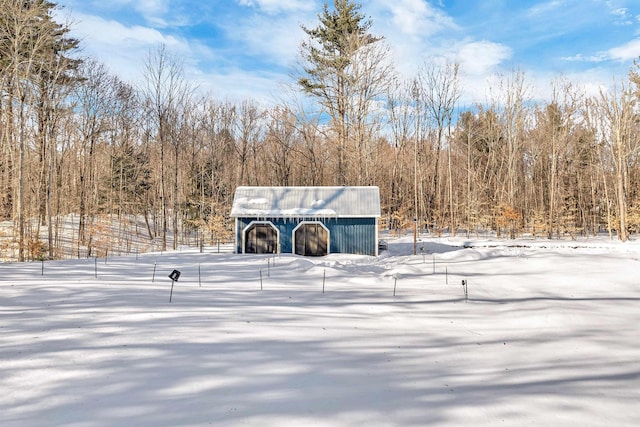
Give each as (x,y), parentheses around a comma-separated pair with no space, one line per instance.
(332,73)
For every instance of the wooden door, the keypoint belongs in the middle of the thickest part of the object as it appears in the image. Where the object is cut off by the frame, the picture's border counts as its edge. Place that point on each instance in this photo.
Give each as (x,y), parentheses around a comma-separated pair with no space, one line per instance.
(261,239)
(312,240)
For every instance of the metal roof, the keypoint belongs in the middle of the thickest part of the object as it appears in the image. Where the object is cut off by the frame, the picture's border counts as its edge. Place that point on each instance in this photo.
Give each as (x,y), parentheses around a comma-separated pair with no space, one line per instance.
(319,202)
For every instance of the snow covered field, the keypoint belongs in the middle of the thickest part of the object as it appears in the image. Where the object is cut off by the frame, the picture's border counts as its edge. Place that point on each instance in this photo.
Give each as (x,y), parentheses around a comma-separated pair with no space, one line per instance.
(549,336)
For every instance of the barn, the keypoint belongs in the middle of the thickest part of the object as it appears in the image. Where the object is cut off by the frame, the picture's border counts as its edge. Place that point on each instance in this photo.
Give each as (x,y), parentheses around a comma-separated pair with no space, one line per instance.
(309,221)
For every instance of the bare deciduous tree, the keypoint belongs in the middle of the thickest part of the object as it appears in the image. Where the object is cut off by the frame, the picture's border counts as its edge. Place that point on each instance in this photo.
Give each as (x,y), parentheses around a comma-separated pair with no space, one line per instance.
(167,94)
(440,91)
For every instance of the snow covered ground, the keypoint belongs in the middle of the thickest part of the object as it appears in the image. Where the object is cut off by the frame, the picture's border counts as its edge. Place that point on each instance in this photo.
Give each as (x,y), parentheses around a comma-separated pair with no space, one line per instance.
(549,336)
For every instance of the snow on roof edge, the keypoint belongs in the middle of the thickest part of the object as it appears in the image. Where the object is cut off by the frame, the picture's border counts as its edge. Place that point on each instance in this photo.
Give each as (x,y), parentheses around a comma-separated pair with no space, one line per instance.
(306,202)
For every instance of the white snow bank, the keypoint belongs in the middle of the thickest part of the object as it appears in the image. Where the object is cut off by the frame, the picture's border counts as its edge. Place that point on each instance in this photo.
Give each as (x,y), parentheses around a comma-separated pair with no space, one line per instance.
(548,336)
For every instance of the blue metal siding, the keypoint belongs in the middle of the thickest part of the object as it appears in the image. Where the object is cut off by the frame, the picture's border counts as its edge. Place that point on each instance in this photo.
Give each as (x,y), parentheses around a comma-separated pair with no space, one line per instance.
(353,235)
(347,235)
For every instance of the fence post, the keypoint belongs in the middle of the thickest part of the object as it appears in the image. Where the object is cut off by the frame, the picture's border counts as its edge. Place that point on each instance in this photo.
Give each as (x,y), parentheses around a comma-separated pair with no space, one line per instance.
(466,293)
(324,276)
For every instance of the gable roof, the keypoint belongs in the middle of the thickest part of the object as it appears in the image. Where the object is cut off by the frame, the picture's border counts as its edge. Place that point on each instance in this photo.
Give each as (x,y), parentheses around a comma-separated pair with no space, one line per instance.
(319,202)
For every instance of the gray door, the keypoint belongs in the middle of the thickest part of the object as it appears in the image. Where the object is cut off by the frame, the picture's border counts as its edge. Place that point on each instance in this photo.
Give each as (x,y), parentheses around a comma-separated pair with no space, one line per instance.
(261,239)
(312,240)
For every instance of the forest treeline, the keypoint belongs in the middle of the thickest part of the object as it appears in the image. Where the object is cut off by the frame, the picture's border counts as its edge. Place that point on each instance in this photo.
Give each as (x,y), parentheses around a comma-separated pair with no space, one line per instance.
(76,139)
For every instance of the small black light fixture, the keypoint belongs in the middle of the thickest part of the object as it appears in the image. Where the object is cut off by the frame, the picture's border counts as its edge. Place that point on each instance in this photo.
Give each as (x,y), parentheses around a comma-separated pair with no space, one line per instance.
(174,276)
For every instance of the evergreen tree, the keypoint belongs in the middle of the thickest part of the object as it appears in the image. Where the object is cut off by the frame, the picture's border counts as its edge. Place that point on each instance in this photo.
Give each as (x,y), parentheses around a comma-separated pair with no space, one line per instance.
(333,75)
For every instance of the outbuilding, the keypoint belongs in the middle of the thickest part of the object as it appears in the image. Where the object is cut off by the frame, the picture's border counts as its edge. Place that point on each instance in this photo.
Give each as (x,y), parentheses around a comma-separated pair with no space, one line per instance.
(309,221)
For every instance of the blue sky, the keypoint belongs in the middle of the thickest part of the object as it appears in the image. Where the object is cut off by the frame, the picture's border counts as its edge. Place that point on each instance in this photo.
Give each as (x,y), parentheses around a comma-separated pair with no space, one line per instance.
(241,49)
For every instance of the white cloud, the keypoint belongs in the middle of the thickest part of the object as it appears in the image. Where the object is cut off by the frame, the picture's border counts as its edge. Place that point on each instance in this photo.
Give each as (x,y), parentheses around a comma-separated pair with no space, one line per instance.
(102,31)
(122,48)
(279,6)
(480,58)
(418,31)
(623,16)
(622,11)
(626,52)
(415,18)
(144,7)
(586,58)
(156,6)
(545,7)
(274,39)
(151,10)
(418,18)
(262,37)
(413,30)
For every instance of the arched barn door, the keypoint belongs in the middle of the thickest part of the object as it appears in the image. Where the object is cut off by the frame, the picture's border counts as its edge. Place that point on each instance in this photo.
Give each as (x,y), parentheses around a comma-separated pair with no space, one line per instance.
(261,239)
(312,239)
